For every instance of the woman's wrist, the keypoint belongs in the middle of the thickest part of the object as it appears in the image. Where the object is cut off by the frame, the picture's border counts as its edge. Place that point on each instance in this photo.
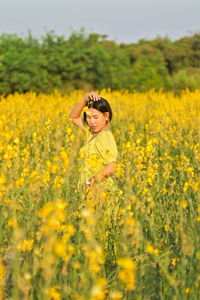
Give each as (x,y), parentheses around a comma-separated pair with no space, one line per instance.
(85,99)
(91,96)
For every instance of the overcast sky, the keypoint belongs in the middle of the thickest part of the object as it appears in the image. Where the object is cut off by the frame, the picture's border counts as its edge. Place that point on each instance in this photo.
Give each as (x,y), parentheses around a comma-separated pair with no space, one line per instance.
(122,20)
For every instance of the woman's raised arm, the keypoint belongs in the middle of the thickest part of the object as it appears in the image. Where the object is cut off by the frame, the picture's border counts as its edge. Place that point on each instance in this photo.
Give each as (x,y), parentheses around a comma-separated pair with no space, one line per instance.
(75,114)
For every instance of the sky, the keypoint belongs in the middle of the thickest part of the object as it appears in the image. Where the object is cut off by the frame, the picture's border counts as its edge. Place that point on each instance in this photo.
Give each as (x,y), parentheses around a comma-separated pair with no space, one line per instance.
(125,21)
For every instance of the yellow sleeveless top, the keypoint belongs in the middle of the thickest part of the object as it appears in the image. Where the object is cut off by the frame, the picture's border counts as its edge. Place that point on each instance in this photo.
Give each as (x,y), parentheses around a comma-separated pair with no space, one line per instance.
(94,156)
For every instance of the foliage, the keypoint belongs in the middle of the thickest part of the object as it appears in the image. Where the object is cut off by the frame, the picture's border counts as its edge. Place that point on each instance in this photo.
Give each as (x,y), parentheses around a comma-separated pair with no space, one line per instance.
(86,61)
(183,79)
(149,72)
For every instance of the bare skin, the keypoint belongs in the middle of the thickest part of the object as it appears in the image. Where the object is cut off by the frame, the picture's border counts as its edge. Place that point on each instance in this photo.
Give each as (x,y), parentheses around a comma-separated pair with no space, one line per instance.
(97,121)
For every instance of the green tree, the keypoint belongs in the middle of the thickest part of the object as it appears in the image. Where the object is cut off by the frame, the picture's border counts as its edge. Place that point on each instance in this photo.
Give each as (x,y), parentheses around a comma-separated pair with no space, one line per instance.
(149,72)
(185,79)
(23,65)
(89,61)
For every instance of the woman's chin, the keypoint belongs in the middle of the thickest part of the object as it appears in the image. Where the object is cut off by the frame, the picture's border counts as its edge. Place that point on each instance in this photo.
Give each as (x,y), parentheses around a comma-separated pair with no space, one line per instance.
(95,130)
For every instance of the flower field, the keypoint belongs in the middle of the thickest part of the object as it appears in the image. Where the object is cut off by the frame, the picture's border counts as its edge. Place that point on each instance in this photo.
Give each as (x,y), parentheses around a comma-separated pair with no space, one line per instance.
(56,244)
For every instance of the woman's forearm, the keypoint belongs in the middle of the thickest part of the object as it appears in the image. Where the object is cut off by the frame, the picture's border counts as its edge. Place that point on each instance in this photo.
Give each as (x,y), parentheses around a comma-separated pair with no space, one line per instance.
(108,170)
(76,111)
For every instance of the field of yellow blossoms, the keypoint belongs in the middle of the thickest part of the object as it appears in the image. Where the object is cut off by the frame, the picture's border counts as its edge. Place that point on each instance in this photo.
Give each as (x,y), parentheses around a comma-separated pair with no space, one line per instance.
(55,244)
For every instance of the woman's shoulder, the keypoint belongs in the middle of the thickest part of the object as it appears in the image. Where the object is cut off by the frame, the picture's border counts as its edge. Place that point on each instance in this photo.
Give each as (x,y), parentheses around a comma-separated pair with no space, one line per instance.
(106,137)
(106,133)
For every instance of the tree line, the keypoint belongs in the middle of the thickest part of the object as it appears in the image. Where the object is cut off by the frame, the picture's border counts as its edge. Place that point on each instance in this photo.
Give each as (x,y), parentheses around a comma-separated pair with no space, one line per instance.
(91,61)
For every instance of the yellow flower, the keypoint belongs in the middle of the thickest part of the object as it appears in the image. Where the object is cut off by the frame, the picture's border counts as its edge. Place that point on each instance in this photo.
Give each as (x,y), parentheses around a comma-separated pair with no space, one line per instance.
(174,261)
(98,290)
(69,131)
(54,168)
(76,265)
(196,186)
(46,210)
(185,188)
(133,199)
(16,140)
(156,252)
(164,191)
(127,273)
(34,176)
(27,245)
(166,227)
(116,295)
(12,222)
(85,109)
(27,276)
(45,177)
(53,294)
(58,181)
(59,248)
(2,270)
(65,158)
(72,137)
(128,207)
(187,290)
(19,182)
(184,204)
(150,248)
(7,201)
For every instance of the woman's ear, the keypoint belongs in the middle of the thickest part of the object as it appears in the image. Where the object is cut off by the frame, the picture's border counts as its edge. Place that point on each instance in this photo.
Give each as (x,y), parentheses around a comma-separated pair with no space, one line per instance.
(107,116)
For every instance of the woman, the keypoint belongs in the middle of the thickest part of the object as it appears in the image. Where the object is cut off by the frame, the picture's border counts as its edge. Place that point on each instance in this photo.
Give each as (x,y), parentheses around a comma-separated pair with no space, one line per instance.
(98,156)
(97,159)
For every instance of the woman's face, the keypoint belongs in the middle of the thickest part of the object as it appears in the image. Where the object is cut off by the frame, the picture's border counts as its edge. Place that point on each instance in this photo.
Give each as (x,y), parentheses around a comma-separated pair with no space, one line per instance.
(96,119)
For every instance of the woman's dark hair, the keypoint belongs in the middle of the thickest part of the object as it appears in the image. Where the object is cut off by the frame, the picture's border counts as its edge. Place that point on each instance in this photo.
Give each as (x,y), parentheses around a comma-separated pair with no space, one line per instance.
(101,105)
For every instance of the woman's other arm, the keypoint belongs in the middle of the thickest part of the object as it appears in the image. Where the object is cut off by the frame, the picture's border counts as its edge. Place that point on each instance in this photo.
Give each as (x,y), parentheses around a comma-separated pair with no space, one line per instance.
(107,171)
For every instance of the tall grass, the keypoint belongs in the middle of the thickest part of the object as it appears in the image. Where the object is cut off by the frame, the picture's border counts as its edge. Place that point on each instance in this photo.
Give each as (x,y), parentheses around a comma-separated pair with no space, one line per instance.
(58,244)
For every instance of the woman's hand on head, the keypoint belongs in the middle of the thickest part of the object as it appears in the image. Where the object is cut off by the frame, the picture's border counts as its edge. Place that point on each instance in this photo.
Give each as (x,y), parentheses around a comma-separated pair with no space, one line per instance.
(92,96)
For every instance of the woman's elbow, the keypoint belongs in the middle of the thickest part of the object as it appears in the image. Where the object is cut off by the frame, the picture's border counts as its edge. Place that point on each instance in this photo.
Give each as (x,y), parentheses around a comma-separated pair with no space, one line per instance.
(70,116)
(112,168)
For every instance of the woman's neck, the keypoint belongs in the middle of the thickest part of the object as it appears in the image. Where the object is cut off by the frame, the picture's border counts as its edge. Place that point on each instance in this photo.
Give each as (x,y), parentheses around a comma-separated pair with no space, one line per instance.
(103,129)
